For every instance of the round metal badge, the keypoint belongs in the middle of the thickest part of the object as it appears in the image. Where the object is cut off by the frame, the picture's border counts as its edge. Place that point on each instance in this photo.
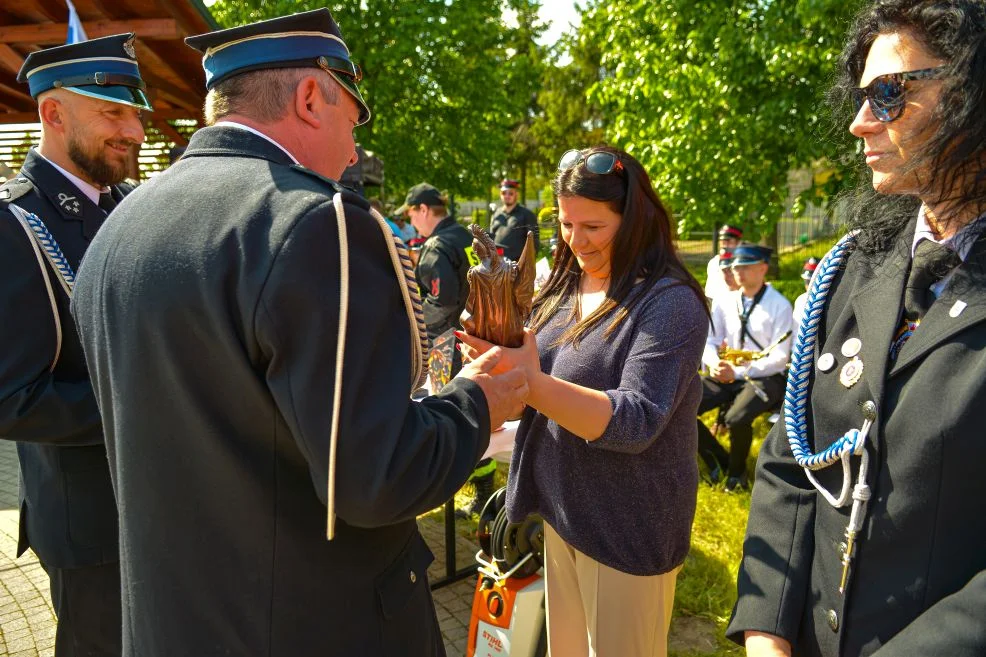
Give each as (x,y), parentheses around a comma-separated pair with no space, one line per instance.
(826,361)
(851,373)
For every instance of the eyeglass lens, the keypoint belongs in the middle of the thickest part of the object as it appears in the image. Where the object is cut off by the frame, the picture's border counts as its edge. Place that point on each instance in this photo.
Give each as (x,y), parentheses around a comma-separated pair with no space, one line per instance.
(599,163)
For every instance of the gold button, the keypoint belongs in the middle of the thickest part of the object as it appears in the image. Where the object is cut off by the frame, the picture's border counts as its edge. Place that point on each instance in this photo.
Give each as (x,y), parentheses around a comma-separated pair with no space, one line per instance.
(833,620)
(414,578)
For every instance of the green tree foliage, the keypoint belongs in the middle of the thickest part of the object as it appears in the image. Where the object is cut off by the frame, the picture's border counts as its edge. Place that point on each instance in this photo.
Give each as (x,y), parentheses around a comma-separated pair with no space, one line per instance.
(436,75)
(720,99)
(527,66)
(568,119)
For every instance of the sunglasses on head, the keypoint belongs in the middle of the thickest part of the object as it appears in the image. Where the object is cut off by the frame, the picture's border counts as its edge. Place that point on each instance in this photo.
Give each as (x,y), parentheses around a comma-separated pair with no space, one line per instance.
(597,162)
(886,92)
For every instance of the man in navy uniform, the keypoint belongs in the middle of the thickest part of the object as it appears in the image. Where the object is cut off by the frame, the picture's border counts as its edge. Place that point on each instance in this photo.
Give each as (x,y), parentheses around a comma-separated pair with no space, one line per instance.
(512,222)
(89,96)
(254,339)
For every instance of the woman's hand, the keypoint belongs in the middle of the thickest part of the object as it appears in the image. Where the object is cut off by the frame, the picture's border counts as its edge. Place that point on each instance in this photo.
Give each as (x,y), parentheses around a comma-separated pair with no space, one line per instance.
(524,357)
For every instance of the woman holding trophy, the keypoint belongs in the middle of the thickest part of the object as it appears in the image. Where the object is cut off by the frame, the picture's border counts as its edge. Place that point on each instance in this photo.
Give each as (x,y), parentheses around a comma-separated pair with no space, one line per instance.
(605,449)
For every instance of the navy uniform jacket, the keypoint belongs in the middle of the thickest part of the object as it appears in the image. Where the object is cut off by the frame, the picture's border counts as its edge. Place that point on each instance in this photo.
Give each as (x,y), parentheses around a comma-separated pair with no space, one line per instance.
(208,309)
(918,581)
(509,230)
(441,272)
(67,514)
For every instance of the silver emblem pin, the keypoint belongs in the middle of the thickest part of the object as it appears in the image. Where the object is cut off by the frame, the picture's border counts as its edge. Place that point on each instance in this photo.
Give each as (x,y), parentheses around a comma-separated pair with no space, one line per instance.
(128,47)
(851,347)
(851,373)
(826,361)
(957,308)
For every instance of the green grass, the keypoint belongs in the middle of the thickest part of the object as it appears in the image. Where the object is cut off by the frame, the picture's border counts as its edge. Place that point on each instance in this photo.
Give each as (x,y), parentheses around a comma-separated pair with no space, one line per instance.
(707,584)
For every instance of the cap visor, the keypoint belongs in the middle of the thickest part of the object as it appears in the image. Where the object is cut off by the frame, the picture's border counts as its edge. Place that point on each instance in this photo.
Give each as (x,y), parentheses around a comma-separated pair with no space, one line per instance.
(115,94)
(350,86)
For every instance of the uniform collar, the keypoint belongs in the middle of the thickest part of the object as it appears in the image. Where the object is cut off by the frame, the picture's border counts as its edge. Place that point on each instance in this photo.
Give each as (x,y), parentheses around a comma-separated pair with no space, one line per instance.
(70,199)
(91,191)
(254,131)
(960,242)
(231,141)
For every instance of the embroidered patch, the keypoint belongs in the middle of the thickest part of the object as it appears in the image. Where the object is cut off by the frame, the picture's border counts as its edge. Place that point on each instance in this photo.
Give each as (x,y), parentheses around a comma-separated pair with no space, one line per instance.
(436,287)
(69,203)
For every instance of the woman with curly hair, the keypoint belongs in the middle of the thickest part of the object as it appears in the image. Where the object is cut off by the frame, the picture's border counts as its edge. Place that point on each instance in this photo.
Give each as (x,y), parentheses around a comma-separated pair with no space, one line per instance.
(886,555)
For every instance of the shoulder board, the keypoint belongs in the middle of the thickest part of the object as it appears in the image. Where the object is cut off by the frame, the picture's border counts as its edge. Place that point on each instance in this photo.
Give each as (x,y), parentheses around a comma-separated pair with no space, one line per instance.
(15,188)
(348,196)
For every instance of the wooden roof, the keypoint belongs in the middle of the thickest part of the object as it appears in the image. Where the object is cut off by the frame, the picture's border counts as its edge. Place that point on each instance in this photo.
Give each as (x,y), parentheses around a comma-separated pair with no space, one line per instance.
(172,70)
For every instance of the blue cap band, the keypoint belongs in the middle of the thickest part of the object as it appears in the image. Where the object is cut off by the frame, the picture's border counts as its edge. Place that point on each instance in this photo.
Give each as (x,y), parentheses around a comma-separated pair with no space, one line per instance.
(44,78)
(258,52)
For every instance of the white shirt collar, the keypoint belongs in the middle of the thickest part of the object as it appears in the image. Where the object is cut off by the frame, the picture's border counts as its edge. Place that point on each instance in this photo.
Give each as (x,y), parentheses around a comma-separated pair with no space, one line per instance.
(234,124)
(958,241)
(91,191)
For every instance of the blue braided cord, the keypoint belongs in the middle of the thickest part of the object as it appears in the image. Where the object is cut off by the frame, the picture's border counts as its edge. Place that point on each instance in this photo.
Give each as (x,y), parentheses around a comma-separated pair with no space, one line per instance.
(797,390)
(51,247)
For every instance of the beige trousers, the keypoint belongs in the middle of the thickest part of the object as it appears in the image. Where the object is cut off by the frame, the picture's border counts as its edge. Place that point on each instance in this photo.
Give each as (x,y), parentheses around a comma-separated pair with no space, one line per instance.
(596,611)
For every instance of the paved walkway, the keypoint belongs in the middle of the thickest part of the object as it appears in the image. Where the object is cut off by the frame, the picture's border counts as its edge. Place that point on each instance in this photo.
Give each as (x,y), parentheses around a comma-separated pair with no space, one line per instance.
(27,622)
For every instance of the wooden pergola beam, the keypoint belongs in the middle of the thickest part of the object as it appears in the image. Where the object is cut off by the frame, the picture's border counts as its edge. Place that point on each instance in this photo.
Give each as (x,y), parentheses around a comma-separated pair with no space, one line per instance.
(10,59)
(167,130)
(54,33)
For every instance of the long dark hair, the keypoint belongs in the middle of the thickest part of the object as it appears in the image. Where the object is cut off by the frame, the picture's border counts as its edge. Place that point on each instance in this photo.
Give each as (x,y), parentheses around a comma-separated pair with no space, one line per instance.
(954,31)
(642,247)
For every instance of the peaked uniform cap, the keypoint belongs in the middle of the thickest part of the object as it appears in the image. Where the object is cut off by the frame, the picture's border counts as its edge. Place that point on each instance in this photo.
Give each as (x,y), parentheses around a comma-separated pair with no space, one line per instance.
(105,69)
(811,264)
(310,39)
(731,231)
(751,254)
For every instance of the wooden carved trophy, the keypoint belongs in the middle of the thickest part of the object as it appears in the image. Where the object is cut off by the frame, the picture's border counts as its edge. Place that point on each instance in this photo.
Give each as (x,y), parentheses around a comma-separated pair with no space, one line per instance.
(501,292)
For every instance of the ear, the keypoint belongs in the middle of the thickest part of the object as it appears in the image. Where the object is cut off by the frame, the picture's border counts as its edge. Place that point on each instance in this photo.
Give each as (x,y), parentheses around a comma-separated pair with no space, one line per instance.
(308,102)
(52,113)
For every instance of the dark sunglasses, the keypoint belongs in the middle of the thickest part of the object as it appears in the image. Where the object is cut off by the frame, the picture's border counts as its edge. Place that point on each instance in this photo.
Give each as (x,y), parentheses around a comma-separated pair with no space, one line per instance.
(597,162)
(886,92)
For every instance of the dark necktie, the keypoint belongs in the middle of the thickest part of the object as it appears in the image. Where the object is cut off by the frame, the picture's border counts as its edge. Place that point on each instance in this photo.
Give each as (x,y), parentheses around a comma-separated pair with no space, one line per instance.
(932,262)
(106,202)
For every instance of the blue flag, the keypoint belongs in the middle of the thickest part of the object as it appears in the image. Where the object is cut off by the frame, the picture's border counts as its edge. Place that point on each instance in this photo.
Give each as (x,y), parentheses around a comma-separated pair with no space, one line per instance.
(76,32)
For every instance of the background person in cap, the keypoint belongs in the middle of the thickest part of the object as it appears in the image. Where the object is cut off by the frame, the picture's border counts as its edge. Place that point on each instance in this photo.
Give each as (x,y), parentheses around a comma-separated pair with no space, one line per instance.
(89,102)
(441,271)
(729,239)
(210,309)
(512,221)
(442,262)
(799,304)
(753,317)
(726,271)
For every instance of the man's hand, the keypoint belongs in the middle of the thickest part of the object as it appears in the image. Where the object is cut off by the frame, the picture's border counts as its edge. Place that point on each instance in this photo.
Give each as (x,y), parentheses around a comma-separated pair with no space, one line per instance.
(723,372)
(761,644)
(505,393)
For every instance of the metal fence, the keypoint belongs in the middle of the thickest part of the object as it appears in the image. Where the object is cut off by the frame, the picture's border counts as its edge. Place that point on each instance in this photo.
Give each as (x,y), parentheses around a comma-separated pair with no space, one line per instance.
(793,235)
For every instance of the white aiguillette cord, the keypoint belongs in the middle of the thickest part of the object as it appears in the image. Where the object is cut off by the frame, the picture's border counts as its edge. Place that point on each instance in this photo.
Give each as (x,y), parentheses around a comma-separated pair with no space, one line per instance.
(412,305)
(45,246)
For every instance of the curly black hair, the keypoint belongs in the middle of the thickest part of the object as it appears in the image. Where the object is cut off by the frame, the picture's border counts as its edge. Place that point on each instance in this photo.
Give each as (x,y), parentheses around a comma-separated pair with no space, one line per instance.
(955,32)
